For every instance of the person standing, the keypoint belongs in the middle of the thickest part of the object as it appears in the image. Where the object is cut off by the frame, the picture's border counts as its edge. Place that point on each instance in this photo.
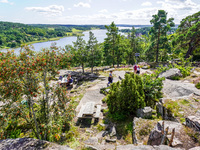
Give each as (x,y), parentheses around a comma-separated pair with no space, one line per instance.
(135,68)
(110,78)
(138,69)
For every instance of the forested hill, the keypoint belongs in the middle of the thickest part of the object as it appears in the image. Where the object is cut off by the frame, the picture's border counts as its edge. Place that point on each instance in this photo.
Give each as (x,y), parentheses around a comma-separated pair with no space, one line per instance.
(14,34)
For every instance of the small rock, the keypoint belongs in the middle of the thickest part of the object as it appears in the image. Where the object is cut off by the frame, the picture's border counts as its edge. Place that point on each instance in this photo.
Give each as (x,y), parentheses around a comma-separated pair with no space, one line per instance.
(90,147)
(92,140)
(105,126)
(89,131)
(111,140)
(105,133)
(113,131)
(193,106)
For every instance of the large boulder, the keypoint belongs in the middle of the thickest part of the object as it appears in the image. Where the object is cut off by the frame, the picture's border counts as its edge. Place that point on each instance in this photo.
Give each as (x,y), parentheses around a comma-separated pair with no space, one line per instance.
(156,135)
(178,89)
(169,74)
(145,147)
(29,144)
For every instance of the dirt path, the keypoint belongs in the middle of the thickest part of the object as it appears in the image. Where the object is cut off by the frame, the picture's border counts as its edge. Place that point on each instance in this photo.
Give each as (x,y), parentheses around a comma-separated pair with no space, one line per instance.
(93,93)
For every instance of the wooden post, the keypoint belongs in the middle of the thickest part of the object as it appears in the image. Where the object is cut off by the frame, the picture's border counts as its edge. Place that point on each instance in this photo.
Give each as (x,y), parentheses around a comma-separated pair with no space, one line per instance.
(172,137)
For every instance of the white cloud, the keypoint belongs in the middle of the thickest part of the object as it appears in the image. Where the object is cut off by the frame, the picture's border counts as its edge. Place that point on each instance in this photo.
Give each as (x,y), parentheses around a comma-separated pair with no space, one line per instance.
(6,1)
(81,4)
(147,4)
(103,11)
(52,10)
(179,9)
(69,9)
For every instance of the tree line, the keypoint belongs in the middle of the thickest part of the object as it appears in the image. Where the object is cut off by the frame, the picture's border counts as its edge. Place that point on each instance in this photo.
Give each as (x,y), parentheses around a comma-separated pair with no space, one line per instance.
(156,46)
(14,34)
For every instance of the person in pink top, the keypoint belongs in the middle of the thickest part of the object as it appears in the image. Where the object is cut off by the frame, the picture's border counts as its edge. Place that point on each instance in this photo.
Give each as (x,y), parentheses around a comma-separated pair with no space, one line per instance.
(135,68)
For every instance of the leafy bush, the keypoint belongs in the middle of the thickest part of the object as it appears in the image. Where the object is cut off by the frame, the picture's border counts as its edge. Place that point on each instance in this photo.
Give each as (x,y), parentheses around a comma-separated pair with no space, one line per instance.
(132,93)
(126,97)
(152,89)
(197,85)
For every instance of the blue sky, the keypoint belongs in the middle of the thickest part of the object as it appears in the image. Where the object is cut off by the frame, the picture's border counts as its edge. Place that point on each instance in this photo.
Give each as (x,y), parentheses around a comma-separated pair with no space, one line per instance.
(93,11)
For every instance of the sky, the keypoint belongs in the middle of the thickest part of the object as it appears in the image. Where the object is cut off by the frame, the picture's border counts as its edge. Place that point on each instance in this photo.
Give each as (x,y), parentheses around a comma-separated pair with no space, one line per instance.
(99,12)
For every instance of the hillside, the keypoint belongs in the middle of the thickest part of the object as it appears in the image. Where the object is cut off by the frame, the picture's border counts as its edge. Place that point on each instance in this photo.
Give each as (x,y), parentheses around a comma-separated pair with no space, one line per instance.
(14,34)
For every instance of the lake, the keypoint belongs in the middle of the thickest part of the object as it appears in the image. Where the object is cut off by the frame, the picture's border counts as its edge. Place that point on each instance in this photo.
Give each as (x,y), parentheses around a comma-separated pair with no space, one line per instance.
(99,34)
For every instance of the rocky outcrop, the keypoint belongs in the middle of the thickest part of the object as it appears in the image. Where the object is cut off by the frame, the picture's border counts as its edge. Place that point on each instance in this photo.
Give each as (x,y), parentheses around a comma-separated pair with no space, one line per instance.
(29,144)
(145,147)
(169,74)
(159,134)
(178,89)
(193,122)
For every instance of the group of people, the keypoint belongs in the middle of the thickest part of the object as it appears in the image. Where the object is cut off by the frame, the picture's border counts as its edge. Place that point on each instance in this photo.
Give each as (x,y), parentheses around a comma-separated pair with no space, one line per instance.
(136,69)
(66,81)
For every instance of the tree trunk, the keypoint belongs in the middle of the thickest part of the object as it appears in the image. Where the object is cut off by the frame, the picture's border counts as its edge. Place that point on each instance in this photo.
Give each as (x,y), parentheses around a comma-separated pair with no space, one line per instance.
(189,52)
(82,67)
(36,126)
(46,105)
(157,46)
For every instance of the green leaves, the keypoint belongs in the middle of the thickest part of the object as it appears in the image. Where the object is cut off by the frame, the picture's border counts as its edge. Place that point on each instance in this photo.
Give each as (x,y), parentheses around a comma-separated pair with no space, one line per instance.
(188,35)
(159,35)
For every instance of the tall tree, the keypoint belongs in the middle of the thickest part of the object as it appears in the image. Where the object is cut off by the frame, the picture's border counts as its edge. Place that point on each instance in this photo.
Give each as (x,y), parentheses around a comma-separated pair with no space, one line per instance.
(188,34)
(159,31)
(79,52)
(92,48)
(110,45)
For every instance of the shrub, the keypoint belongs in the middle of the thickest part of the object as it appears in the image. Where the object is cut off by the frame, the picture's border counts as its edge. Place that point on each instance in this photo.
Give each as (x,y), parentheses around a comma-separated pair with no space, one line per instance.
(197,85)
(152,89)
(126,97)
(132,93)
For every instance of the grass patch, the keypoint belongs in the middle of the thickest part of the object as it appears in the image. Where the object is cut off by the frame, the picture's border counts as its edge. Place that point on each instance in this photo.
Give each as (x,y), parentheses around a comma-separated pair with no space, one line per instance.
(184,102)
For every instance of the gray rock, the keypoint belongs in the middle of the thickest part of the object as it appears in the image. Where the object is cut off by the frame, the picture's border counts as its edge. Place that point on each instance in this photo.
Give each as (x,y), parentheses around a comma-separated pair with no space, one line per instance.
(195,148)
(92,141)
(107,90)
(193,106)
(112,131)
(177,89)
(105,133)
(133,147)
(169,74)
(165,147)
(193,122)
(155,136)
(90,147)
(29,144)
(145,147)
(89,131)
(146,112)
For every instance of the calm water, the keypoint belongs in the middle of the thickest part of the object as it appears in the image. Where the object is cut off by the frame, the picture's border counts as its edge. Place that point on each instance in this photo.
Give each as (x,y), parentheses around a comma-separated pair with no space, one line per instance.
(99,34)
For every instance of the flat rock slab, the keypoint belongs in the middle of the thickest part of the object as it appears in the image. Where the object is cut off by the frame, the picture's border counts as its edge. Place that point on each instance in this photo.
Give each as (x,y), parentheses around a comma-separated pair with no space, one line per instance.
(91,141)
(29,144)
(178,89)
(145,147)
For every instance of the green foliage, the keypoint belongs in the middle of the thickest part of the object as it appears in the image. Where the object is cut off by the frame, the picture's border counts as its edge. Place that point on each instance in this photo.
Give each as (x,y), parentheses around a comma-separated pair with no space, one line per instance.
(132,93)
(15,34)
(152,89)
(25,78)
(197,85)
(188,35)
(126,97)
(160,45)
